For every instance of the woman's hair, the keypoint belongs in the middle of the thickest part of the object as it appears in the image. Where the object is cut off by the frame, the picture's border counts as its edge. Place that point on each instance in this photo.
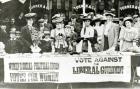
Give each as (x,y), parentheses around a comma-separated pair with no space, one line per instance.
(130,20)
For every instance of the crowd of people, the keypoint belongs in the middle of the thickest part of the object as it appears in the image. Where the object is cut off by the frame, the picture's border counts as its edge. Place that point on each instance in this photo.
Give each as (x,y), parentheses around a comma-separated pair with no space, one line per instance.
(85,33)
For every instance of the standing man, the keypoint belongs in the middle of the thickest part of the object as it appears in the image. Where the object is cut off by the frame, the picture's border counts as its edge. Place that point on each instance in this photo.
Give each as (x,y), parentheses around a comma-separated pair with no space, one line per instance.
(4,36)
(27,32)
(41,28)
(110,33)
(47,25)
(77,26)
(12,25)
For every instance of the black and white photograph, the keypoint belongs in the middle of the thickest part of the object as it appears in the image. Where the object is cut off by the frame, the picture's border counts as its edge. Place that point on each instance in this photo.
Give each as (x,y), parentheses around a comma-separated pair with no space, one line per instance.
(69,44)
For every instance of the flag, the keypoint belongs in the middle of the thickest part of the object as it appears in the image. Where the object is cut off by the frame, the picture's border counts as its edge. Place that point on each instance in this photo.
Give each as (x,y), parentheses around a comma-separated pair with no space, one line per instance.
(4,1)
(22,1)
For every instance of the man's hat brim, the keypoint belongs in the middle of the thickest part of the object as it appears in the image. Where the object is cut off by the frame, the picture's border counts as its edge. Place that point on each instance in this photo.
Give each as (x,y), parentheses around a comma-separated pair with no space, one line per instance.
(47,32)
(73,16)
(41,20)
(30,15)
(57,20)
(135,16)
(109,14)
(18,32)
(86,18)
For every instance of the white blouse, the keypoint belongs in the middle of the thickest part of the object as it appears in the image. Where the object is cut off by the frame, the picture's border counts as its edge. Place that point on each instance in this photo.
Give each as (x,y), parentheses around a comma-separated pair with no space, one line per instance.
(89,32)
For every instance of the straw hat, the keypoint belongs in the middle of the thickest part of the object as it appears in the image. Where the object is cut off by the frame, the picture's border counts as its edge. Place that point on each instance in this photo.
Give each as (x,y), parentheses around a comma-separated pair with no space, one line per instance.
(58,18)
(127,19)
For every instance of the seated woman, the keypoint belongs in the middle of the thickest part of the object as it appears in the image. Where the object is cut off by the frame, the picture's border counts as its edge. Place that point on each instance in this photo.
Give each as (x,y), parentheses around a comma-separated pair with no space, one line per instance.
(88,37)
(59,35)
(128,35)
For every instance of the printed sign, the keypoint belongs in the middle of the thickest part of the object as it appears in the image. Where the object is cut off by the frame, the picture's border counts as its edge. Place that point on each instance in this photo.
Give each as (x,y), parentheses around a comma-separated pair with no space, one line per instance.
(66,69)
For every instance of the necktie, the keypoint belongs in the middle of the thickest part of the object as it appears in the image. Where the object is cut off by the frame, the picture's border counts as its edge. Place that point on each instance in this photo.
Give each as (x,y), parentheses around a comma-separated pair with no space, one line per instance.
(84,30)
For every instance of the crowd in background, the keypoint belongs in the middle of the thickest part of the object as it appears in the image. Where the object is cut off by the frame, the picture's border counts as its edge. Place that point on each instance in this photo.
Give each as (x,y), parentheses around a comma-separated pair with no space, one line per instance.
(85,33)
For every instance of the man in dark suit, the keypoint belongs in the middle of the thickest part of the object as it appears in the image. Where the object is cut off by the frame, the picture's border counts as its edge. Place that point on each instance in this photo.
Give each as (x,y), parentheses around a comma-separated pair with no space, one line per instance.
(28,30)
(77,26)
(47,26)
(4,36)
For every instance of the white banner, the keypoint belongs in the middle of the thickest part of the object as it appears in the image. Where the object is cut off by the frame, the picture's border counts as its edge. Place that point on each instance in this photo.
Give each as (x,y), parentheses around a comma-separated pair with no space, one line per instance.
(66,69)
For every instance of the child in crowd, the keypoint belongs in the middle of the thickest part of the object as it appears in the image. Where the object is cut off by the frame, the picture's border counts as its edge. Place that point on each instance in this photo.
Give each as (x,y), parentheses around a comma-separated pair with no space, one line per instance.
(2,48)
(12,44)
(36,41)
(46,44)
(4,36)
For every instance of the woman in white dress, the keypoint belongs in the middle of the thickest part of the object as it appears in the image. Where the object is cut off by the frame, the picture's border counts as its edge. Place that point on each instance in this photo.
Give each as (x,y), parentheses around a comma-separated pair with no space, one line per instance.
(59,34)
(128,35)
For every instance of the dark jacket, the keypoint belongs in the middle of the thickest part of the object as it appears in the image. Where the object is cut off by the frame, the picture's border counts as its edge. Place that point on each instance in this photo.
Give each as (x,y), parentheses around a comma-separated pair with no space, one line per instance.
(3,36)
(26,34)
(46,46)
(77,28)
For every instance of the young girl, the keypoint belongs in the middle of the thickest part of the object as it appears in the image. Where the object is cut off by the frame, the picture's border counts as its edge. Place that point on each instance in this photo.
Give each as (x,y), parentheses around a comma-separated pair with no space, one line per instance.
(128,35)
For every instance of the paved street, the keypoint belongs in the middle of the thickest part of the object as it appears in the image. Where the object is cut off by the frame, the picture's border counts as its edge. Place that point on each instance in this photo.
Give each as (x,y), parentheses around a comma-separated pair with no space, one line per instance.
(107,85)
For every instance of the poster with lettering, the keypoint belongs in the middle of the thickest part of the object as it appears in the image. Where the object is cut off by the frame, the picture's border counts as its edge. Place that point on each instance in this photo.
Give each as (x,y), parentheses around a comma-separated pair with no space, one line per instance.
(94,68)
(70,69)
(31,69)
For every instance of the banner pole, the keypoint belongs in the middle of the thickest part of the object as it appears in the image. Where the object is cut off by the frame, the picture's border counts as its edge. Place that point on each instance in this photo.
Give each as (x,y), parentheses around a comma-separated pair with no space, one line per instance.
(84,7)
(70,86)
(30,7)
(57,86)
